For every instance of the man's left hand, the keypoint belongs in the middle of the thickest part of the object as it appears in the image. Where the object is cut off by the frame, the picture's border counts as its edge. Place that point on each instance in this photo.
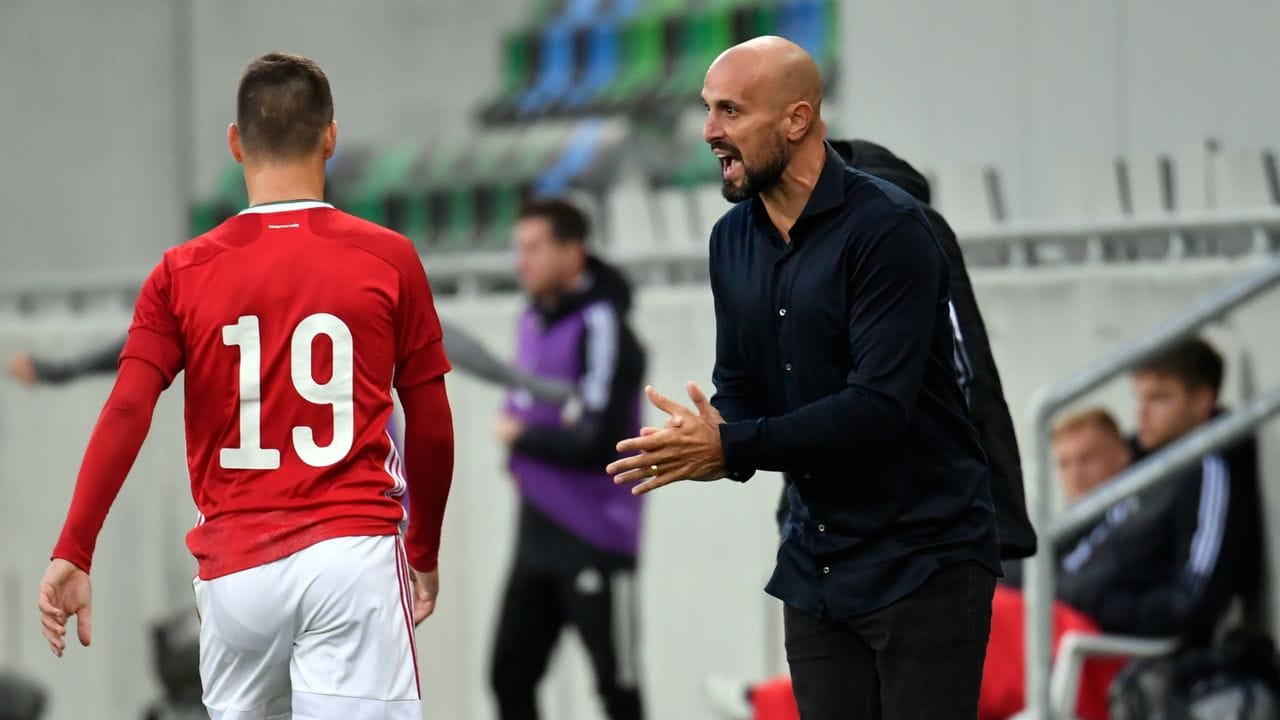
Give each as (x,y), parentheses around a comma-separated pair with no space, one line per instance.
(688,448)
(507,428)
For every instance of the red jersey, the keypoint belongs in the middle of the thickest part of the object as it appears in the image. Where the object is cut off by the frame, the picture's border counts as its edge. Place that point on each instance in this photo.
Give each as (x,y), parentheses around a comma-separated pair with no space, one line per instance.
(292,321)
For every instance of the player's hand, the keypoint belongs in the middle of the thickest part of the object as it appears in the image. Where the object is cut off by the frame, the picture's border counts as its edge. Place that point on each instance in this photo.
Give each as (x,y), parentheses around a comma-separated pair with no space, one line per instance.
(65,591)
(23,368)
(687,448)
(425,588)
(506,428)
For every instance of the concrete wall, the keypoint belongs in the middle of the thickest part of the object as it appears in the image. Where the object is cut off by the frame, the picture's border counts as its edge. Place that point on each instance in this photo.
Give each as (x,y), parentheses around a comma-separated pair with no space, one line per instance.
(708,548)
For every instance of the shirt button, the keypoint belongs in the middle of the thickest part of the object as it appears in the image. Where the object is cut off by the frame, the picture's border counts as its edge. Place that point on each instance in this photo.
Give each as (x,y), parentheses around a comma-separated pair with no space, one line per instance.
(808,476)
(788,367)
(822,528)
(826,571)
(782,312)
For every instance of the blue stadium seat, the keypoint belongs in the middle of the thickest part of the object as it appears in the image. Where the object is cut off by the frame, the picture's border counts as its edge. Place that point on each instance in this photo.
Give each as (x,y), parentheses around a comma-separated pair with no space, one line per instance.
(577,156)
(604,54)
(557,69)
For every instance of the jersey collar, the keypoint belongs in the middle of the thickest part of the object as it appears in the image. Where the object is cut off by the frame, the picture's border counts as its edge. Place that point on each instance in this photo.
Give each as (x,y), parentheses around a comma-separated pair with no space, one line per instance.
(284,206)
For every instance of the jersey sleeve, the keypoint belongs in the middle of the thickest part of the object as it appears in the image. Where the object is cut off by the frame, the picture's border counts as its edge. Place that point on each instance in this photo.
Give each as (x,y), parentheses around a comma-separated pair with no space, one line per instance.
(154,335)
(420,355)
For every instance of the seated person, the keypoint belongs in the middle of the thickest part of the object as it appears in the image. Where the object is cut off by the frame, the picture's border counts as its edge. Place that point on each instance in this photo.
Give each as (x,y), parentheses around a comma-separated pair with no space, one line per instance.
(1089,449)
(1168,560)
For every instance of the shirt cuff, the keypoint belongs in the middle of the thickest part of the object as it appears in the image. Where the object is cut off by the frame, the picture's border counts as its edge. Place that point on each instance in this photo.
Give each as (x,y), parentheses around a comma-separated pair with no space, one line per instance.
(422,365)
(738,442)
(156,349)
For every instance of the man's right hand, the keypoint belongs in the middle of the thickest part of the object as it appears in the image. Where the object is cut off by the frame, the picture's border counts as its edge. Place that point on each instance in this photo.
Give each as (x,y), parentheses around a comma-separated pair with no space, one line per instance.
(65,591)
(426,586)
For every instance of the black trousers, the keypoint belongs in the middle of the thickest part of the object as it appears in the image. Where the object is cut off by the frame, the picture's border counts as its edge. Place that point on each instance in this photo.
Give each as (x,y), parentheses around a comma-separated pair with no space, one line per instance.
(917,659)
(579,587)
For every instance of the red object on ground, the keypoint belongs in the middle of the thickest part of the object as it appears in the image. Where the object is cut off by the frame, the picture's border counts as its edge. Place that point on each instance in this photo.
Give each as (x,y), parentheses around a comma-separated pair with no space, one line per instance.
(774,700)
(1003,682)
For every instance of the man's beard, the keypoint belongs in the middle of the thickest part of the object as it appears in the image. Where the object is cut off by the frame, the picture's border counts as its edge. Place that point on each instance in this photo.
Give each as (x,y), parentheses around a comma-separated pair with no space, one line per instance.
(759,179)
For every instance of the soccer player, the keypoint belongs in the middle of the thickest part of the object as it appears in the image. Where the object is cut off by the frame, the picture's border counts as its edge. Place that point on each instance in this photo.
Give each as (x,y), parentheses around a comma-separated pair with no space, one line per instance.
(293,322)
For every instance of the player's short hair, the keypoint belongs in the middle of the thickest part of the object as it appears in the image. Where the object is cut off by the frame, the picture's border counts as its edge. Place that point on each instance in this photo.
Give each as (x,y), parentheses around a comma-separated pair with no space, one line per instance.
(283,106)
(1194,362)
(568,223)
(1098,417)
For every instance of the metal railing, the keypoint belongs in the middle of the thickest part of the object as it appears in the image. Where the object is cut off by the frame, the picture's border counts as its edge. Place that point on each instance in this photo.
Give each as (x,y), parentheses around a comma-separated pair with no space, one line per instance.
(1012,244)
(1039,569)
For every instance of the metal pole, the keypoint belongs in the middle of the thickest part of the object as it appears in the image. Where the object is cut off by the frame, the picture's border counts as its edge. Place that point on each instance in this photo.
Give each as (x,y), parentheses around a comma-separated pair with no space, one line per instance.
(1037,582)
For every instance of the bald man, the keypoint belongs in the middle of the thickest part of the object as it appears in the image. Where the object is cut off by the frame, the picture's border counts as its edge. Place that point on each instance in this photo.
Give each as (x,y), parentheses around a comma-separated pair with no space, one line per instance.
(834,366)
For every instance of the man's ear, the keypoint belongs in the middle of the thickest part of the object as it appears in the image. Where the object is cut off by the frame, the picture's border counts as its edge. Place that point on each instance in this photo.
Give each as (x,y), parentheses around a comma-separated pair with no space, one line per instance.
(799,119)
(233,142)
(1204,402)
(330,140)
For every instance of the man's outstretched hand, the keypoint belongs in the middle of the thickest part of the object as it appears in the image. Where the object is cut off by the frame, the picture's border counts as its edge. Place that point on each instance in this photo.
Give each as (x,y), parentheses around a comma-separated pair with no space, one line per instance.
(65,591)
(686,448)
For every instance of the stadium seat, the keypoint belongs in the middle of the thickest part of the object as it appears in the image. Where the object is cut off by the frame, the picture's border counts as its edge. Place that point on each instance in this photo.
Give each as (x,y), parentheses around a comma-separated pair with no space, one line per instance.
(1191,190)
(603,55)
(642,47)
(1244,180)
(520,63)
(1147,181)
(709,206)
(753,19)
(578,154)
(1085,188)
(630,230)
(677,223)
(381,193)
(803,23)
(229,197)
(557,66)
(705,33)
(964,195)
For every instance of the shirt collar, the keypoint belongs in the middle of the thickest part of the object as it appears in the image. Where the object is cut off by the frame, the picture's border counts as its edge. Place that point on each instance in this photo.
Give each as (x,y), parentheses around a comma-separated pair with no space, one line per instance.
(827,193)
(284,206)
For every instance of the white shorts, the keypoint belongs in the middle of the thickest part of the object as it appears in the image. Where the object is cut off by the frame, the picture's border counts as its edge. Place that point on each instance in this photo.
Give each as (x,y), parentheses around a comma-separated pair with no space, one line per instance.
(324,634)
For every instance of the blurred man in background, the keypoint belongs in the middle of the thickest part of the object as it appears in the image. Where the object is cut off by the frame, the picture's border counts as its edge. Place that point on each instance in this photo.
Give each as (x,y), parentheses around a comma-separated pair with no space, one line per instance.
(307,596)
(31,369)
(975,365)
(579,534)
(1089,449)
(1168,560)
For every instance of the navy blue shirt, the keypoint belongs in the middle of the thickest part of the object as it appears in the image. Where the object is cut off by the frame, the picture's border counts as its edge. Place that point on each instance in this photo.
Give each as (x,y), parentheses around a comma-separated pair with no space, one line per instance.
(834,366)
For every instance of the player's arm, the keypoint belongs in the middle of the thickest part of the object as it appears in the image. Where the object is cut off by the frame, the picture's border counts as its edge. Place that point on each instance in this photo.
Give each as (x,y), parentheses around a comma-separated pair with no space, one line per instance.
(428,449)
(428,427)
(151,358)
(113,447)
